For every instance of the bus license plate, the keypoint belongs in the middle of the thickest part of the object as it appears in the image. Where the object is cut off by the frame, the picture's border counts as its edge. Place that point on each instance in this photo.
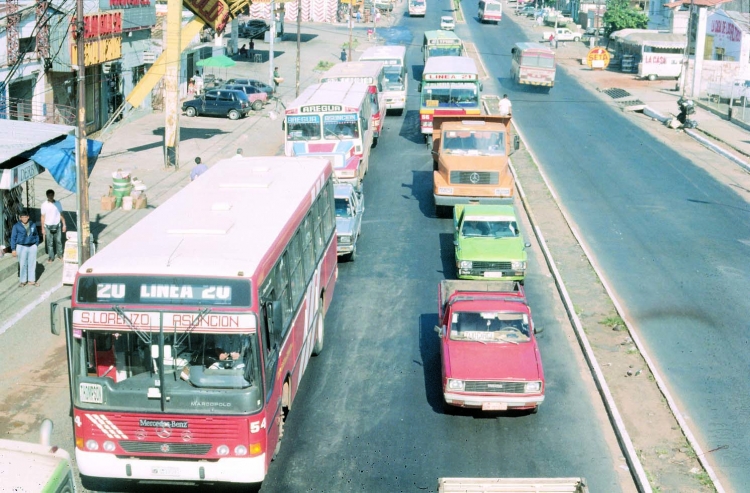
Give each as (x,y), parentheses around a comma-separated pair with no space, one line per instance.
(494,406)
(165,471)
(90,392)
(493,274)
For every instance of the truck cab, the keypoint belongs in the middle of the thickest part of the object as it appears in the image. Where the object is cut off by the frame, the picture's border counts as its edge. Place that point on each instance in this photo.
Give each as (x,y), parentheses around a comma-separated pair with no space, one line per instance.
(470,160)
(489,356)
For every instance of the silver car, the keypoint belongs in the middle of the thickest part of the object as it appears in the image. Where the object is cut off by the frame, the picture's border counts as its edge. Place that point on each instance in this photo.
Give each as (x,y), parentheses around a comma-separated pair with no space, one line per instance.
(350,205)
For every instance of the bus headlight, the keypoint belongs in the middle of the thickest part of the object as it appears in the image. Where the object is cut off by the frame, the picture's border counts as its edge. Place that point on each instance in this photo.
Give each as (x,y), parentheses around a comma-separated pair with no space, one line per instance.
(92,445)
(455,384)
(240,450)
(533,386)
(109,446)
(345,240)
(465,264)
(222,450)
(518,265)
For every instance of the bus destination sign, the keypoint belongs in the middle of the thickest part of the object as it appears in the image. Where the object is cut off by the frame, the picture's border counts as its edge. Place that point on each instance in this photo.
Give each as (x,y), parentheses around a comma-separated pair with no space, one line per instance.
(447,41)
(450,77)
(321,108)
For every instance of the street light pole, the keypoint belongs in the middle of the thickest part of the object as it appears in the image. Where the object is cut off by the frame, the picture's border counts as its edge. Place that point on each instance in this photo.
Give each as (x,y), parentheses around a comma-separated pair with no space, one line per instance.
(83,226)
(299,48)
(350,31)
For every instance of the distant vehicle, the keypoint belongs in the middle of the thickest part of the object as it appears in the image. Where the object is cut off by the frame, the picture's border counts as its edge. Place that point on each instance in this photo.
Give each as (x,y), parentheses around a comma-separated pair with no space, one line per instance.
(256,96)
(218,102)
(255,83)
(394,70)
(490,11)
(350,205)
(488,243)
(417,8)
(254,29)
(592,31)
(562,34)
(533,64)
(35,466)
(384,5)
(502,373)
(526,10)
(447,23)
(441,43)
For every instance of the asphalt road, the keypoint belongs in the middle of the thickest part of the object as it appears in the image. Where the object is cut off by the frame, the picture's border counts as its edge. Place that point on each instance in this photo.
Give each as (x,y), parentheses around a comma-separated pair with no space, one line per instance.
(671,240)
(369,414)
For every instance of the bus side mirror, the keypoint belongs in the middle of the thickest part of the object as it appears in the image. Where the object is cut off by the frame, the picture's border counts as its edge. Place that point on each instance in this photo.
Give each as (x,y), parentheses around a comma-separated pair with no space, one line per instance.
(283,125)
(538,330)
(516,142)
(275,316)
(481,86)
(440,331)
(419,87)
(60,315)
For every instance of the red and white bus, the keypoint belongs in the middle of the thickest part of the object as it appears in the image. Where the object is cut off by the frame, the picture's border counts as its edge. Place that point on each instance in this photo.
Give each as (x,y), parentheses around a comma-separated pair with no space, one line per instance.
(332,121)
(371,73)
(189,334)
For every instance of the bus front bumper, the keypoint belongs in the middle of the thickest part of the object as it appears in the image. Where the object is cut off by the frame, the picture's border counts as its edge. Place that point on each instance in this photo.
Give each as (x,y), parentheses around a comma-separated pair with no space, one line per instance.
(452,200)
(230,469)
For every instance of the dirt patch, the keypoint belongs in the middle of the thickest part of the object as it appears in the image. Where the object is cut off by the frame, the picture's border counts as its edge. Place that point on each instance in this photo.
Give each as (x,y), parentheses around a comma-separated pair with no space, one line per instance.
(666,455)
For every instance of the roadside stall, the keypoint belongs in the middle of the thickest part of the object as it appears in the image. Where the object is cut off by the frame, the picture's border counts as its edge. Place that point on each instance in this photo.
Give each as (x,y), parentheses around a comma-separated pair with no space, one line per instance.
(651,54)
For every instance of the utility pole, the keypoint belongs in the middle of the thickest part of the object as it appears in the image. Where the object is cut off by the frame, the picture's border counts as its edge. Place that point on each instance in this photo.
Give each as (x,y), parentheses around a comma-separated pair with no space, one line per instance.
(299,47)
(172,84)
(83,226)
(272,32)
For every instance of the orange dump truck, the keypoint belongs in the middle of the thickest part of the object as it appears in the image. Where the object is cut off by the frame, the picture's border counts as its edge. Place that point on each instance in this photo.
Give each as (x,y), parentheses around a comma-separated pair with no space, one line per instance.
(470,154)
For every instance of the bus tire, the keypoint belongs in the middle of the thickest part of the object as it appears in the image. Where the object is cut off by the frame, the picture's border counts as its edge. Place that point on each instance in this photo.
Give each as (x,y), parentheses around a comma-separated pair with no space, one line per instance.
(320,330)
(282,418)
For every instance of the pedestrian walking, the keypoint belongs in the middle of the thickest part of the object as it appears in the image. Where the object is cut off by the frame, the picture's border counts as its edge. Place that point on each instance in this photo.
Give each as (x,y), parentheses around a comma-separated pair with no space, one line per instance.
(343,56)
(199,169)
(24,239)
(277,78)
(198,81)
(252,45)
(53,227)
(504,106)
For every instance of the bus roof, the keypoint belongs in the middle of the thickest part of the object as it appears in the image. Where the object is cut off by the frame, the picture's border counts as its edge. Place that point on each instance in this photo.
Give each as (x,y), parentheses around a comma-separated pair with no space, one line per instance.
(384,53)
(345,93)
(533,46)
(440,34)
(450,65)
(353,69)
(221,224)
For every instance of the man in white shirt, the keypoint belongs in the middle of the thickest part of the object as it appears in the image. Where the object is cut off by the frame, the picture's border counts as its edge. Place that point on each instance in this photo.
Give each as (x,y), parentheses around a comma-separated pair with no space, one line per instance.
(53,226)
(198,81)
(504,106)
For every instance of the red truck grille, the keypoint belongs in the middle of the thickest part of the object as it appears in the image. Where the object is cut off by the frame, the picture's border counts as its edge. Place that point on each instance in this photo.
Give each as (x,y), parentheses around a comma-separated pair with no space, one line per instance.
(496,387)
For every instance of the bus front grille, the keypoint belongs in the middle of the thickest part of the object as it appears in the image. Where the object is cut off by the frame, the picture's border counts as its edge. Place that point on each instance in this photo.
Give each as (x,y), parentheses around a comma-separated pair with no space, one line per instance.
(165,448)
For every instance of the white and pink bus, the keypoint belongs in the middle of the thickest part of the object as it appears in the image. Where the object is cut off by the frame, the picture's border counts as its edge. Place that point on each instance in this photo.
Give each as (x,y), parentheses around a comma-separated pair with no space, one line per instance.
(370,73)
(188,335)
(333,121)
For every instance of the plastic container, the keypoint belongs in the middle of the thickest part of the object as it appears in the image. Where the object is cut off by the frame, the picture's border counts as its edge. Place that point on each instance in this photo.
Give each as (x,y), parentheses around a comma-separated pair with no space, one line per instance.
(127,203)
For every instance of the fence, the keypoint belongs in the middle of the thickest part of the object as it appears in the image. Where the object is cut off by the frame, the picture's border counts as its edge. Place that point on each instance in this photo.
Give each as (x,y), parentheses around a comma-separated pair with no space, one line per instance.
(27,110)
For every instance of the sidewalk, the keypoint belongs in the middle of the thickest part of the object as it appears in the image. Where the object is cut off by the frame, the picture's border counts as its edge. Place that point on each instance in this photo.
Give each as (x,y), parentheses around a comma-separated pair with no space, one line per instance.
(136,146)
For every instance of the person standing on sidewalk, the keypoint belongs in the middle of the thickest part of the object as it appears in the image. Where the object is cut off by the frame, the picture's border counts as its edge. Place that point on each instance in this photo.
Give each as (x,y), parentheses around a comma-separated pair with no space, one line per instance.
(199,169)
(504,106)
(277,79)
(24,238)
(53,226)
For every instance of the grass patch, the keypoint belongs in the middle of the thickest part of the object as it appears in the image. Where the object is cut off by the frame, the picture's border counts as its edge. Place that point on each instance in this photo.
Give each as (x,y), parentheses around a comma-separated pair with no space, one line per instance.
(457,10)
(355,43)
(631,350)
(613,321)
(324,65)
(703,478)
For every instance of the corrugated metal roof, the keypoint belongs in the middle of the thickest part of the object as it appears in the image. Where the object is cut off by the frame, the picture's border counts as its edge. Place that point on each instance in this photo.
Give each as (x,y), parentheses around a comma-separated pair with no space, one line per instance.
(19,137)
(655,39)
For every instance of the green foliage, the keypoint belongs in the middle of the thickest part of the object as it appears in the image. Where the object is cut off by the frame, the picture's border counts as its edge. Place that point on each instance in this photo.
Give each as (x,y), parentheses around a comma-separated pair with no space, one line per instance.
(323,65)
(621,15)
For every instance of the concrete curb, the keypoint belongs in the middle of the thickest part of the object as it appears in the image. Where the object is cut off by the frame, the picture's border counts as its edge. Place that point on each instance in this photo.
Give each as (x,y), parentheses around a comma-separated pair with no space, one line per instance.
(639,473)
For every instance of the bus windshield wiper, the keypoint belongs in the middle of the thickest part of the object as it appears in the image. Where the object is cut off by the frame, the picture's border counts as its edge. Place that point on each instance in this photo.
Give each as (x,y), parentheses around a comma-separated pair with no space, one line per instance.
(142,335)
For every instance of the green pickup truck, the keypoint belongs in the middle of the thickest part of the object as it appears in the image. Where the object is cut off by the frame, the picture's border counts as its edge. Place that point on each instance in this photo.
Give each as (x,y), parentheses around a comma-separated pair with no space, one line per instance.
(488,243)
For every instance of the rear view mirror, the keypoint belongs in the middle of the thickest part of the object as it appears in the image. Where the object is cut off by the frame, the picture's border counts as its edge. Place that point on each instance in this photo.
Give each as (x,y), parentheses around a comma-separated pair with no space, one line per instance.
(419,87)
(516,142)
(527,245)
(60,315)
(481,86)
(440,331)
(538,330)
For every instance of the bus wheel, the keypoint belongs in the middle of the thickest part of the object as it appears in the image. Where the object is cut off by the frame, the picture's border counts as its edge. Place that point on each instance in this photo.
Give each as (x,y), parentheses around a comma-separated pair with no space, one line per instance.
(282,418)
(320,330)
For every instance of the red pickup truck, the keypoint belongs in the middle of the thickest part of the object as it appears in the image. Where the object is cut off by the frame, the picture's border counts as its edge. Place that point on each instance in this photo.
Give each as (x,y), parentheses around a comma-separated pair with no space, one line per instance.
(489,354)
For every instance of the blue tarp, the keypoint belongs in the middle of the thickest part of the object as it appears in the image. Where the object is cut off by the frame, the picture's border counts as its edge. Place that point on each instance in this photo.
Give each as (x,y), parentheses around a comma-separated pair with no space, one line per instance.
(60,160)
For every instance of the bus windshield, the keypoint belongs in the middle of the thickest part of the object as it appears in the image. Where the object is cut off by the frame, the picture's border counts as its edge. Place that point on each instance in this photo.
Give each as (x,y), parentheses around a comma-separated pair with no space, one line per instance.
(341,126)
(444,50)
(123,370)
(303,127)
(492,7)
(479,143)
(450,95)
(394,78)
(541,61)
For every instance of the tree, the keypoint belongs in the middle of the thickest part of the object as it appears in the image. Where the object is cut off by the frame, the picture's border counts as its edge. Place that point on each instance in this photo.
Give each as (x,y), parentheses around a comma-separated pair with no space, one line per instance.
(621,15)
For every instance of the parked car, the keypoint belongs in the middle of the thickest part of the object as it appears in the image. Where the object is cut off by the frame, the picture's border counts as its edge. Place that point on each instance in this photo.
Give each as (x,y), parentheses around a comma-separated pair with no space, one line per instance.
(502,373)
(488,243)
(447,23)
(524,11)
(219,102)
(252,82)
(253,29)
(350,205)
(257,97)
